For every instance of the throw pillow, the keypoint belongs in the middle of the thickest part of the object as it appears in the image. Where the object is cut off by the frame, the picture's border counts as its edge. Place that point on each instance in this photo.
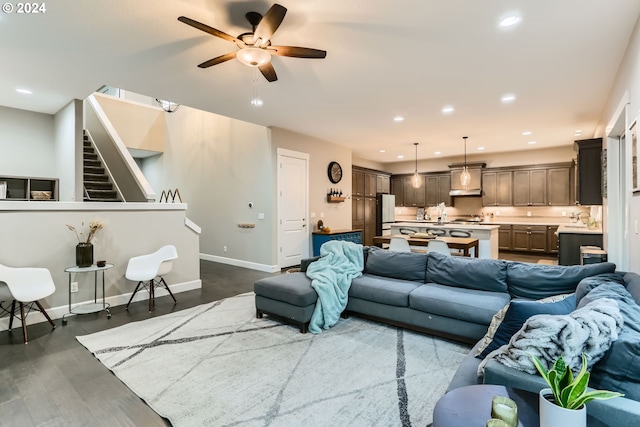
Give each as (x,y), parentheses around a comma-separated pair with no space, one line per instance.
(398,265)
(510,319)
(471,273)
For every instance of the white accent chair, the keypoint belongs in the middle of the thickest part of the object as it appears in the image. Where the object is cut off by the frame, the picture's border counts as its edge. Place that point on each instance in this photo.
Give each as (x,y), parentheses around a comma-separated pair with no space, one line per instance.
(399,244)
(439,246)
(148,270)
(27,286)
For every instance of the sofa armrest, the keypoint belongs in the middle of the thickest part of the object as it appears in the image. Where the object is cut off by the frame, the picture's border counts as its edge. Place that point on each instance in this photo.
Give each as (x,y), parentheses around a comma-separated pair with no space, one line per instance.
(624,411)
(305,263)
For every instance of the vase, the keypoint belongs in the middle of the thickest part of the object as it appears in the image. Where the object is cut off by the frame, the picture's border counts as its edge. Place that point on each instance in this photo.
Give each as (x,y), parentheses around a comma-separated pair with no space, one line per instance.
(552,415)
(84,254)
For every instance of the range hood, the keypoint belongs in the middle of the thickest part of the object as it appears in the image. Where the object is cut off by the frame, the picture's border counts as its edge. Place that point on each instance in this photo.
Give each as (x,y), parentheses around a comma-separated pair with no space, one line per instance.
(474,189)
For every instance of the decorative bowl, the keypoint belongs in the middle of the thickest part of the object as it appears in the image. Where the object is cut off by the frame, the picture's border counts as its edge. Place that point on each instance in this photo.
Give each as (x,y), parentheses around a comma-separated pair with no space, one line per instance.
(41,195)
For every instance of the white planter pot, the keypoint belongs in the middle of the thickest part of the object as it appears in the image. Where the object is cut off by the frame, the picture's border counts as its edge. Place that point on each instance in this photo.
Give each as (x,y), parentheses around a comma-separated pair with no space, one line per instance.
(552,415)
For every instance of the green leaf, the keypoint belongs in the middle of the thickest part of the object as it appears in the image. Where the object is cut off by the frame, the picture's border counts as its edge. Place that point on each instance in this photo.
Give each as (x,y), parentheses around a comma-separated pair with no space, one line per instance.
(592,395)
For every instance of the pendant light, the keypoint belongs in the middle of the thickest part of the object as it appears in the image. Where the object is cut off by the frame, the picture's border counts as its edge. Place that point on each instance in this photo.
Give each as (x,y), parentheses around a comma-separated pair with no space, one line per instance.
(465,176)
(416,179)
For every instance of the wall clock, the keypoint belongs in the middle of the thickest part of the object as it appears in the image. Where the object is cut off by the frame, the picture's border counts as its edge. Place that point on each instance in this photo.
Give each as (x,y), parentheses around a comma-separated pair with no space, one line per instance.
(335,172)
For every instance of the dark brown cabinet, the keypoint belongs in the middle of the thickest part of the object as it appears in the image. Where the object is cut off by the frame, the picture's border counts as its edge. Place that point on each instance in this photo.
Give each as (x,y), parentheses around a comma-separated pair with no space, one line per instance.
(397,189)
(504,238)
(497,188)
(530,187)
(383,184)
(552,239)
(569,246)
(357,183)
(529,238)
(589,171)
(414,197)
(369,230)
(366,184)
(437,188)
(370,181)
(559,186)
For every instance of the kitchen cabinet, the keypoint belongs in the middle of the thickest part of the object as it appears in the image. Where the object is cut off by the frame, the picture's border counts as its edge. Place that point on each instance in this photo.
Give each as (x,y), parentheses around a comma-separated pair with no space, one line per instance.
(414,196)
(569,246)
(383,184)
(357,183)
(476,177)
(589,171)
(369,230)
(530,187)
(437,188)
(529,238)
(357,212)
(552,239)
(497,188)
(559,186)
(23,188)
(397,189)
(370,181)
(504,238)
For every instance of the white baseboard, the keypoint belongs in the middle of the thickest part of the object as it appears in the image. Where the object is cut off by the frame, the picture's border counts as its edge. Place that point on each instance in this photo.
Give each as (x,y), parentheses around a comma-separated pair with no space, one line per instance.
(240,263)
(58,312)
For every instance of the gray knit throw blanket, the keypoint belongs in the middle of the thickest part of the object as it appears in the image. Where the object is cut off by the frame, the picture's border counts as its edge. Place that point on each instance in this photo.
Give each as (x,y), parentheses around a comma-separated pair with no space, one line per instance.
(590,329)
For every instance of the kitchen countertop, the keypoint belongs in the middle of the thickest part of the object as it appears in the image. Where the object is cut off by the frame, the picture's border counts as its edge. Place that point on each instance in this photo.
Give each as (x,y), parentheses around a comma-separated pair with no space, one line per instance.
(578,229)
(474,226)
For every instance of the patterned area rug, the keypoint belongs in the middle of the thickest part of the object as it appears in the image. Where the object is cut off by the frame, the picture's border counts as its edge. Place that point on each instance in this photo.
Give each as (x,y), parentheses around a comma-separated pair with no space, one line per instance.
(217,365)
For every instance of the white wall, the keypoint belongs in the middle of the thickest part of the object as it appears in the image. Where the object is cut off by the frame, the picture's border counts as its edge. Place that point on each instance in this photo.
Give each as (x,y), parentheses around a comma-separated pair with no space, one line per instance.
(68,151)
(336,215)
(27,144)
(627,80)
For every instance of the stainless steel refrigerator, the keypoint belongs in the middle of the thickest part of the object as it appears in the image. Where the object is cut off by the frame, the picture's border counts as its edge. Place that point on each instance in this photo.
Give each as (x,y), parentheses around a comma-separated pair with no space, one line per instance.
(385,213)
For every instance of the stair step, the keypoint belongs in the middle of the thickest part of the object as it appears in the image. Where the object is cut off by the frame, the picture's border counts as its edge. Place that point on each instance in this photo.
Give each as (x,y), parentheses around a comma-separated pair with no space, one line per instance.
(93,177)
(92,163)
(108,194)
(98,185)
(90,156)
(102,200)
(94,170)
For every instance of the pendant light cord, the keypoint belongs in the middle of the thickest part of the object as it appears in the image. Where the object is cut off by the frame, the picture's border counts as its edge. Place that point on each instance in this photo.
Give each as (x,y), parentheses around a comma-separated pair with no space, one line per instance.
(465,150)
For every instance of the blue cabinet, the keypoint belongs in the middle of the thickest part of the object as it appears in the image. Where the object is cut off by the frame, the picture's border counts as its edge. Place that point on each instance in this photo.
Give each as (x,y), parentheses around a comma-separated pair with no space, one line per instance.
(319,239)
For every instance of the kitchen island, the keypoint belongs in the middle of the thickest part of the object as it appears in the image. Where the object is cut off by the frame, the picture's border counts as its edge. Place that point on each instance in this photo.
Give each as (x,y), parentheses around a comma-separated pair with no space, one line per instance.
(572,237)
(487,234)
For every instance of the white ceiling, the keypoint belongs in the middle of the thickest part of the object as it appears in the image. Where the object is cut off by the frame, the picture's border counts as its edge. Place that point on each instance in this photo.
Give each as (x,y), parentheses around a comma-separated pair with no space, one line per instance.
(384,58)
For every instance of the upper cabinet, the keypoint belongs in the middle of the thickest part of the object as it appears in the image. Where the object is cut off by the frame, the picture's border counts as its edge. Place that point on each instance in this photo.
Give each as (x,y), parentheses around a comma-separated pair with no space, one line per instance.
(530,187)
(397,189)
(357,183)
(383,184)
(559,186)
(589,171)
(497,188)
(413,196)
(437,189)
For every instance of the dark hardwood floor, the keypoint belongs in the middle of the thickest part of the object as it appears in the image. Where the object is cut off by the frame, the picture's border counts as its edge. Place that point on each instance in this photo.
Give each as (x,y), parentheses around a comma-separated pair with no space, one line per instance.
(54,381)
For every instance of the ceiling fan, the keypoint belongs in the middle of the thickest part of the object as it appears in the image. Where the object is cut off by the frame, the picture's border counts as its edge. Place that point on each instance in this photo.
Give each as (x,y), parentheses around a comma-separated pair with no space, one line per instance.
(255,47)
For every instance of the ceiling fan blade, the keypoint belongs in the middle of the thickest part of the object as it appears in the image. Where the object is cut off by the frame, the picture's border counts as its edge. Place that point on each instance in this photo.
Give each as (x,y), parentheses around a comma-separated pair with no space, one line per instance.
(269,23)
(207,29)
(218,60)
(268,72)
(297,52)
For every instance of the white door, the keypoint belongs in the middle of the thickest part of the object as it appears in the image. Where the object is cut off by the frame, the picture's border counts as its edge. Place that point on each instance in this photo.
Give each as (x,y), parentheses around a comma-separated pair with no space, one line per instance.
(293,234)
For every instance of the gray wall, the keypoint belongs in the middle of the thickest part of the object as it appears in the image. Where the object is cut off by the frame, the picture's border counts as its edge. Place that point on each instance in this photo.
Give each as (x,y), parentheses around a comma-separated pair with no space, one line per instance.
(68,151)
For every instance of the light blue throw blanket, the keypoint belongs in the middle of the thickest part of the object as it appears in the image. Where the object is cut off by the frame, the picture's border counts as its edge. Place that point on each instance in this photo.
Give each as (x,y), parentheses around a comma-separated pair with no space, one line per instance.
(331,275)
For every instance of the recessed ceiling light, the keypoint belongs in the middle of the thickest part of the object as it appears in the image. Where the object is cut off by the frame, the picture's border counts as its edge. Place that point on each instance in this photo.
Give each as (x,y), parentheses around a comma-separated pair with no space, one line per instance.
(25,91)
(401,156)
(437,153)
(510,21)
(447,109)
(531,142)
(383,151)
(526,133)
(398,118)
(480,148)
(508,98)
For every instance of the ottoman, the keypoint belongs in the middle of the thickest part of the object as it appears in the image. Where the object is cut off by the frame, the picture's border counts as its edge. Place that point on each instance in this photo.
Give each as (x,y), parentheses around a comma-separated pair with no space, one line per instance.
(287,296)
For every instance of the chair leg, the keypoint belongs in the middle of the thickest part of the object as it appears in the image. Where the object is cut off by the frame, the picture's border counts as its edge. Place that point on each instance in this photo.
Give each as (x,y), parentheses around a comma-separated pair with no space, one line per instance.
(24,324)
(168,289)
(151,295)
(44,313)
(133,295)
(13,311)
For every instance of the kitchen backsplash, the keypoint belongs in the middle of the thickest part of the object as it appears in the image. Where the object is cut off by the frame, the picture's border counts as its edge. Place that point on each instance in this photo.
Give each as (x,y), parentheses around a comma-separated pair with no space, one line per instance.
(467,206)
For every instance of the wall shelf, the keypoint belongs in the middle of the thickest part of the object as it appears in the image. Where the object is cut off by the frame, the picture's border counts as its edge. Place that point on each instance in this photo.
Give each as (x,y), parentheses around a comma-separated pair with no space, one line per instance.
(335,199)
(23,188)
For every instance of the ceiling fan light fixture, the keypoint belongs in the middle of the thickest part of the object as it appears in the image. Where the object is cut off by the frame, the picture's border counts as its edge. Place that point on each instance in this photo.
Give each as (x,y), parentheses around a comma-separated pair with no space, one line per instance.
(253,56)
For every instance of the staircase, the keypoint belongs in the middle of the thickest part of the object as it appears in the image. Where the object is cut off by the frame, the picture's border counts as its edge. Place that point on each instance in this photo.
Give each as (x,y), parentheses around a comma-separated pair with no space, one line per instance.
(98,186)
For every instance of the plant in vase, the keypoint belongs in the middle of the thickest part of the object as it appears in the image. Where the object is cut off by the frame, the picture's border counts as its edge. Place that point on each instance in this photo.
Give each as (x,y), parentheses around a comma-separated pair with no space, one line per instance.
(562,404)
(84,248)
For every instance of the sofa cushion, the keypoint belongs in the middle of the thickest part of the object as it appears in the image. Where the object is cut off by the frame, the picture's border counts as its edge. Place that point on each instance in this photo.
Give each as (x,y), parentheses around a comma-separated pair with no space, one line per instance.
(292,288)
(471,273)
(517,312)
(470,305)
(397,265)
(618,368)
(632,283)
(384,290)
(536,281)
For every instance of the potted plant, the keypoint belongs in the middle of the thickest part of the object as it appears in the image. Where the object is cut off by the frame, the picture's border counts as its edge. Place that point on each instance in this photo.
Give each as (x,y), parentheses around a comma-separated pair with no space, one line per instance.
(84,248)
(563,403)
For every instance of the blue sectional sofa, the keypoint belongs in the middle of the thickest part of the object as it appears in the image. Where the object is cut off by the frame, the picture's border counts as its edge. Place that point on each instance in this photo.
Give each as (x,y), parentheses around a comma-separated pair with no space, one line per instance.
(457,298)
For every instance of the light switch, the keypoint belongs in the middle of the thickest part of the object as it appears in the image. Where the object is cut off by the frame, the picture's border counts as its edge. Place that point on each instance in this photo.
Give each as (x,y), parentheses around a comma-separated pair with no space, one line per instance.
(321,214)
(313,214)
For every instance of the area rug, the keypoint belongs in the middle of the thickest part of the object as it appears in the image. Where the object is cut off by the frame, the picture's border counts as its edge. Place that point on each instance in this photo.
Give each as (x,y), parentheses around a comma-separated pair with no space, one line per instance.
(217,365)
